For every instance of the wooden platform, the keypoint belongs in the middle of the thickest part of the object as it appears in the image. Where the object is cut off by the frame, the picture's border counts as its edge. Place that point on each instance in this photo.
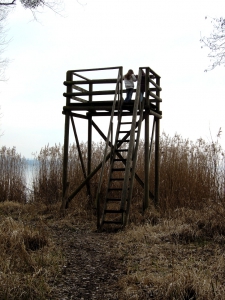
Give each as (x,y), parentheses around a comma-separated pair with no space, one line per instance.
(85,103)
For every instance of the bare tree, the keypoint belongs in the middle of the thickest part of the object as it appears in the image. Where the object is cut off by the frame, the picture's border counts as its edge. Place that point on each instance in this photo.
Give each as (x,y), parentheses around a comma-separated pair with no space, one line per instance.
(216,43)
(5,8)
(3,42)
(32,4)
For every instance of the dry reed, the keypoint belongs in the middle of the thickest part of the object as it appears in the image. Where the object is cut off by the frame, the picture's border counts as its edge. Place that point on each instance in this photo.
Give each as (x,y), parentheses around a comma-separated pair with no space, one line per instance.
(12,176)
(175,252)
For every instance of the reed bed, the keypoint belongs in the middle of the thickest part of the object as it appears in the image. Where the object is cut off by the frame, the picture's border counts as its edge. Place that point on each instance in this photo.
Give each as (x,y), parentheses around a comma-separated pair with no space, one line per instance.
(12,176)
(172,252)
(190,174)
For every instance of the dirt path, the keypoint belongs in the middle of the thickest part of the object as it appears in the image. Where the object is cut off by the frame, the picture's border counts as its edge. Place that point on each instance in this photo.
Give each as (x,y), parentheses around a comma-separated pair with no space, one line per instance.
(92,266)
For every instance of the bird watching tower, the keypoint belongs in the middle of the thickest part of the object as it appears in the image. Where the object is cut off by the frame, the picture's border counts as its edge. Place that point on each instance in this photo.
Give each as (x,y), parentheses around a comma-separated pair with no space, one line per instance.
(87,99)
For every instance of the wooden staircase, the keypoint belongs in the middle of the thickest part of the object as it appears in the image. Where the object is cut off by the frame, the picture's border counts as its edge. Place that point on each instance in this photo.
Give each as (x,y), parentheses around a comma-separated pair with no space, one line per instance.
(116,206)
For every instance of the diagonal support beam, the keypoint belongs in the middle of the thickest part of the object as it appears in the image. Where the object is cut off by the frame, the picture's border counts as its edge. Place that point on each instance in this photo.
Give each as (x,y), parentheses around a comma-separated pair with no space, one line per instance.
(79,152)
(88,178)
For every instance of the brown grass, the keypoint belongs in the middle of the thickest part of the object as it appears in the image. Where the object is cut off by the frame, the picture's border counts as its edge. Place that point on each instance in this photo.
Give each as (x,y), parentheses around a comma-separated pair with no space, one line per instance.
(28,257)
(12,176)
(175,252)
(179,258)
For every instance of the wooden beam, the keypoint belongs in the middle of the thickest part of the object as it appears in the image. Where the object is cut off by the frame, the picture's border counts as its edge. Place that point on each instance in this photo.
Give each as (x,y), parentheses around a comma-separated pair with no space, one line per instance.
(99,130)
(78,148)
(95,69)
(78,75)
(94,93)
(79,99)
(85,181)
(155,85)
(155,97)
(151,72)
(93,81)
(146,167)
(76,87)
(79,116)
(78,189)
(65,152)
(89,158)
(157,115)
(157,158)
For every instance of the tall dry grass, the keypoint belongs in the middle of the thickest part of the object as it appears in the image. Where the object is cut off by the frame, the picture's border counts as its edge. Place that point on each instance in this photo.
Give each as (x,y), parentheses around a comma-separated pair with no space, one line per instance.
(167,255)
(47,181)
(190,173)
(29,259)
(12,176)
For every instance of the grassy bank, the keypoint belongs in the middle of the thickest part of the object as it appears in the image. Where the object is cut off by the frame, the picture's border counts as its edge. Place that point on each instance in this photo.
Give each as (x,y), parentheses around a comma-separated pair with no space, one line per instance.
(175,252)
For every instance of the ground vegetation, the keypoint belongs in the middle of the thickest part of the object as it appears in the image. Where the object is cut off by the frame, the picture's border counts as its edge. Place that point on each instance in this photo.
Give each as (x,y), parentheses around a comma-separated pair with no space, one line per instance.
(173,252)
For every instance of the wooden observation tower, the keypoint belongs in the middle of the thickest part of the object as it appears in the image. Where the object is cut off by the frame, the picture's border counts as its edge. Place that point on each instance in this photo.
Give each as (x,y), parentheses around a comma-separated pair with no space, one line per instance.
(85,99)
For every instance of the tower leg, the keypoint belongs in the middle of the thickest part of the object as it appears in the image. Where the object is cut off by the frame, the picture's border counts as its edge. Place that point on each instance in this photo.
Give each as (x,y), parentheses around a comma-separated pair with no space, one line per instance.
(146,187)
(89,143)
(147,104)
(157,162)
(65,155)
(157,157)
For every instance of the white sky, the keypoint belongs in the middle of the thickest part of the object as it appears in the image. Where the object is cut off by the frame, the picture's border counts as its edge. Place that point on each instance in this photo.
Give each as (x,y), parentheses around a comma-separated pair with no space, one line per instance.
(161,34)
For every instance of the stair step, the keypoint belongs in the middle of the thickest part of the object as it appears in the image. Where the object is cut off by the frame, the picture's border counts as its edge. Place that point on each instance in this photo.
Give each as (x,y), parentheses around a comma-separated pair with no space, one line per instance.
(126,131)
(126,123)
(113,222)
(113,211)
(121,150)
(124,141)
(113,199)
(120,159)
(118,169)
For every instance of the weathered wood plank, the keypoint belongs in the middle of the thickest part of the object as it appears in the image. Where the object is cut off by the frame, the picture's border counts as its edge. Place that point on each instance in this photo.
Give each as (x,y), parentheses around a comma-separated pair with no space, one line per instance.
(156,85)
(93,81)
(94,93)
(95,69)
(155,96)
(79,116)
(76,87)
(151,71)
(79,99)
(78,75)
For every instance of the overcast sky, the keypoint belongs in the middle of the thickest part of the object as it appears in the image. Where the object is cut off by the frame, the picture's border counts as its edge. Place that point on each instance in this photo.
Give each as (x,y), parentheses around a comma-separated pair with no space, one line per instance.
(161,34)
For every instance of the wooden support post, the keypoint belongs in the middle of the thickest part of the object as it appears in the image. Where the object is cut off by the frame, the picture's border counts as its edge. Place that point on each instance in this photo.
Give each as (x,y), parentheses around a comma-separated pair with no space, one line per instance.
(111,138)
(65,150)
(69,76)
(65,197)
(89,141)
(121,87)
(157,158)
(146,187)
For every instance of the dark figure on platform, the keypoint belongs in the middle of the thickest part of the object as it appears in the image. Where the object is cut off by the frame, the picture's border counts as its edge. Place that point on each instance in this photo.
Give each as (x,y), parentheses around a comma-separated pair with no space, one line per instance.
(129,80)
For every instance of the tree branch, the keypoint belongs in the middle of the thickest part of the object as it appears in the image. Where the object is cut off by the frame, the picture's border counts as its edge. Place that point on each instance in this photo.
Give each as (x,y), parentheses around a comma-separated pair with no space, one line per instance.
(11,3)
(216,43)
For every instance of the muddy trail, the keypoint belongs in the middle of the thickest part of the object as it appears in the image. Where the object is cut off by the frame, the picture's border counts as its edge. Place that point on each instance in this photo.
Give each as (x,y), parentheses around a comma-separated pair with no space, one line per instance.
(92,265)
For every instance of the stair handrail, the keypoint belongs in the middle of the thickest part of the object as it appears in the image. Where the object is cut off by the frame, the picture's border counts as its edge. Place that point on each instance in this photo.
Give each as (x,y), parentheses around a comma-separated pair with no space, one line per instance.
(119,79)
(134,158)
(131,144)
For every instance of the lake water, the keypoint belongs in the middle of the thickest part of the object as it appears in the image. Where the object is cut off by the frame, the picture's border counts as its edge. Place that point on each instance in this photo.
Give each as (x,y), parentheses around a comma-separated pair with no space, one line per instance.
(30,172)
